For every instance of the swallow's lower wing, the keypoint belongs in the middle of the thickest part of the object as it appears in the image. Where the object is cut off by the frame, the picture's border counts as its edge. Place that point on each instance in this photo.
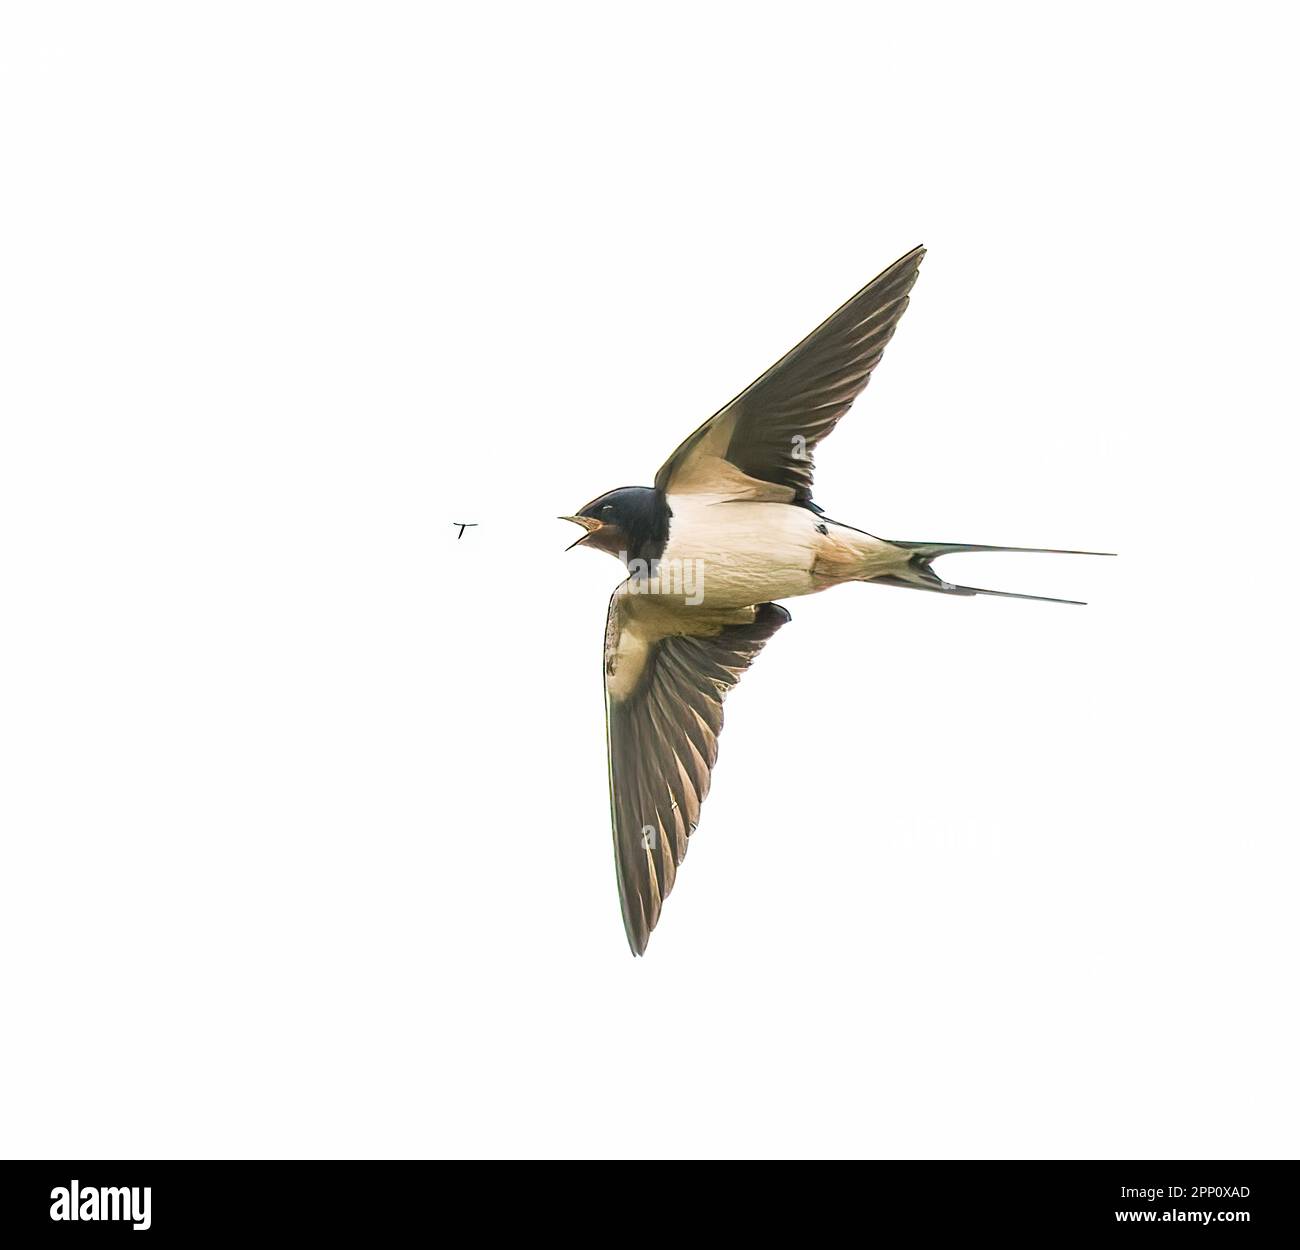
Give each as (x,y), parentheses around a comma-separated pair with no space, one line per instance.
(760,445)
(667,671)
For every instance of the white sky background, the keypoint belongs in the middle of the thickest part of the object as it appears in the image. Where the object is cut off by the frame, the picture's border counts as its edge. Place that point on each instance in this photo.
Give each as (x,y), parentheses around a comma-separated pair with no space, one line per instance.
(305,825)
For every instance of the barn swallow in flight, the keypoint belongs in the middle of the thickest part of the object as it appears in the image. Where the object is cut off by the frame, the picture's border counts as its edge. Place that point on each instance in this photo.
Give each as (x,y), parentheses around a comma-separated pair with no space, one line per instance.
(729,526)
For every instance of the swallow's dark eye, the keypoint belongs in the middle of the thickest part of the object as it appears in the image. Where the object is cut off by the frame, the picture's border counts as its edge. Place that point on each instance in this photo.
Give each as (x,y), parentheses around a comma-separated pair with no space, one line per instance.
(609,507)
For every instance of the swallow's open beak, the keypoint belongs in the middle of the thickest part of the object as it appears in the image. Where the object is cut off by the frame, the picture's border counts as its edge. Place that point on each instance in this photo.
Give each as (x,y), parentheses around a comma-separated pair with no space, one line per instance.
(588,523)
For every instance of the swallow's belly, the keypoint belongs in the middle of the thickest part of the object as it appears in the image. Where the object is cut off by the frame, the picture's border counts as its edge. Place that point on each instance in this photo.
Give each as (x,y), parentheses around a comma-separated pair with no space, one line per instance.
(722,554)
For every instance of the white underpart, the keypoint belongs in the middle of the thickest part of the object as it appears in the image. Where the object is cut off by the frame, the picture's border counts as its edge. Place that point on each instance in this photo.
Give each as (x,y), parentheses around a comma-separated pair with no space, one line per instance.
(751,553)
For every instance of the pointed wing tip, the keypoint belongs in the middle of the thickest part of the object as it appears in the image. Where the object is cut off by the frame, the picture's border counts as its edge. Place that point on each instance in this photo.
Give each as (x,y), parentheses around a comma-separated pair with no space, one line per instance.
(908,263)
(902,276)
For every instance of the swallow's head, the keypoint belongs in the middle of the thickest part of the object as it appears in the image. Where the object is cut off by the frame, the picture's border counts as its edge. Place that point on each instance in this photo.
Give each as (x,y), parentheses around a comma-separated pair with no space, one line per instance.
(622,521)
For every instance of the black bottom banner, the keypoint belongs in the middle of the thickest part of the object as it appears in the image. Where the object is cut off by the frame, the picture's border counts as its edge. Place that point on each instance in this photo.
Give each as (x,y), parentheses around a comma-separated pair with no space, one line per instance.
(360,1200)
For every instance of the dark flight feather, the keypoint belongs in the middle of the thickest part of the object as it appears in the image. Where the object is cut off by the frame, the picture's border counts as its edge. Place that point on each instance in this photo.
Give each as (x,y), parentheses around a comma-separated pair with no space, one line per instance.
(768,432)
(663,743)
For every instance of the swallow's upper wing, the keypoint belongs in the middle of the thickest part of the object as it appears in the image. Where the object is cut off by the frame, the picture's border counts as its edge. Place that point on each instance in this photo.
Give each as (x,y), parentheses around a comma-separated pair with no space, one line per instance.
(666,673)
(760,445)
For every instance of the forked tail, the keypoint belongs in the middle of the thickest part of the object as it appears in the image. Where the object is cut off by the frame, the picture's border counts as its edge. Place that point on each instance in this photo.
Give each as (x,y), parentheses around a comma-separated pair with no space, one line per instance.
(918,574)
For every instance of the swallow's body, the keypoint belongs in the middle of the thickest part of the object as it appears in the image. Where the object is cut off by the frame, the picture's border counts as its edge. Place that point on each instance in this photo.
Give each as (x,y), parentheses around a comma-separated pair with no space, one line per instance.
(755,552)
(728,527)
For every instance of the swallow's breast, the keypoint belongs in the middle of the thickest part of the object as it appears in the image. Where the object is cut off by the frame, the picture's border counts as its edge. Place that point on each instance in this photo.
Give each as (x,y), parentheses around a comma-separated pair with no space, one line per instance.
(733,554)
